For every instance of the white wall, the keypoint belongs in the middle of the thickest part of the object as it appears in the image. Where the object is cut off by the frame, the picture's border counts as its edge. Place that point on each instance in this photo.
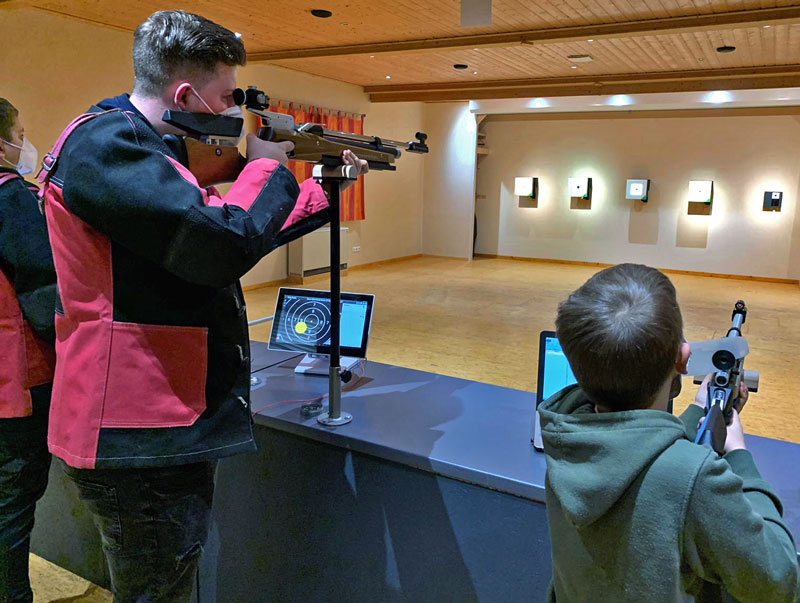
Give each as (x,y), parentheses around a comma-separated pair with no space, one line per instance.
(745,156)
(449,184)
(54,68)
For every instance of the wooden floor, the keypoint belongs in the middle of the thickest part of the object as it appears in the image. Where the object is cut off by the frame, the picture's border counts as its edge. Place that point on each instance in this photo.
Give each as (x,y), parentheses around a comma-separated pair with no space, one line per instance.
(480,321)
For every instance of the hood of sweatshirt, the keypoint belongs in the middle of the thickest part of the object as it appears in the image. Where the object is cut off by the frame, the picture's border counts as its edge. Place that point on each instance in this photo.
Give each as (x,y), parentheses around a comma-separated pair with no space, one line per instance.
(592,458)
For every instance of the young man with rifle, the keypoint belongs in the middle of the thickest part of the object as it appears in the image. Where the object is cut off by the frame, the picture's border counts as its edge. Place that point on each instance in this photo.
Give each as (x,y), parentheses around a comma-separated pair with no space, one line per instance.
(152,384)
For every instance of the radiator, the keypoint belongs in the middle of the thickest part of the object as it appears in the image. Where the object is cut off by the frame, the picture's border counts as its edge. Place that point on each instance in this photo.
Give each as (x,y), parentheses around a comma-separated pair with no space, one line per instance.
(310,255)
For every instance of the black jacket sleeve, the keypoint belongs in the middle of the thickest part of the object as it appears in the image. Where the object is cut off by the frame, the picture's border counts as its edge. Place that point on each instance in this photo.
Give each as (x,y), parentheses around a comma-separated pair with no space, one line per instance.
(120,178)
(26,258)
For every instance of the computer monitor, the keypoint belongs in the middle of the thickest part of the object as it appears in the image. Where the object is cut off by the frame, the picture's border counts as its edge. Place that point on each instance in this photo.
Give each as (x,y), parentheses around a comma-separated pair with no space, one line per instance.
(554,375)
(302,322)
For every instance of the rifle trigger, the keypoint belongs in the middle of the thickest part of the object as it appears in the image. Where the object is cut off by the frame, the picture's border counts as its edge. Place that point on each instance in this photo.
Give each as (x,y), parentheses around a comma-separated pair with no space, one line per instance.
(265,133)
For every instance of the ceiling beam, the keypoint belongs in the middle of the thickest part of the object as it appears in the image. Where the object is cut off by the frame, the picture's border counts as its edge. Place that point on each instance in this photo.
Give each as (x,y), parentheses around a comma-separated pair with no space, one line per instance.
(649,27)
(784,76)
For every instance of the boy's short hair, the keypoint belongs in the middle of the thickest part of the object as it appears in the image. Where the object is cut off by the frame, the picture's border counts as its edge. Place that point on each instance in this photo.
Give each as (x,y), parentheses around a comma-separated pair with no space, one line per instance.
(173,44)
(8,115)
(621,332)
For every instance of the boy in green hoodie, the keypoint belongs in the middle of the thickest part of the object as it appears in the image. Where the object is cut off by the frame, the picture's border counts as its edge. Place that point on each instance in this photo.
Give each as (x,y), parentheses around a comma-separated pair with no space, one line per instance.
(637,511)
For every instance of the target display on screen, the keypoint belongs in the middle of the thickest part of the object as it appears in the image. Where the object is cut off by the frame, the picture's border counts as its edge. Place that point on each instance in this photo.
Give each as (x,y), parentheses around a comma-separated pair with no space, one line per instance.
(302,322)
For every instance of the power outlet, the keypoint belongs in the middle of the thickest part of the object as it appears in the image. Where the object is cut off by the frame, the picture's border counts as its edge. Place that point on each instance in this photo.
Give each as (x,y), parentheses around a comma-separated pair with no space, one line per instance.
(357,248)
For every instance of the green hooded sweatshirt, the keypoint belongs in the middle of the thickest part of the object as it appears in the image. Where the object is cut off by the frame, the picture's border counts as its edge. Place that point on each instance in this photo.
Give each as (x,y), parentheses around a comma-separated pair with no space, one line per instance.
(639,513)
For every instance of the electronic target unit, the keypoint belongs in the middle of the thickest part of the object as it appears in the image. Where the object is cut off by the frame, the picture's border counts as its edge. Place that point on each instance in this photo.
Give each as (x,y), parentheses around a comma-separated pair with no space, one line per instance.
(637,189)
(302,323)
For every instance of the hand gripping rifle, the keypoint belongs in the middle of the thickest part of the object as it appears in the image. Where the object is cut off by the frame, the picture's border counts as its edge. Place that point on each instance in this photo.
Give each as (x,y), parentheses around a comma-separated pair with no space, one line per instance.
(210,147)
(723,389)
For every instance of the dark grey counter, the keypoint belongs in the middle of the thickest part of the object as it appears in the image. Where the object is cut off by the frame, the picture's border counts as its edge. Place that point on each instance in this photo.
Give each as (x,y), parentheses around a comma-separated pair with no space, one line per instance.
(469,431)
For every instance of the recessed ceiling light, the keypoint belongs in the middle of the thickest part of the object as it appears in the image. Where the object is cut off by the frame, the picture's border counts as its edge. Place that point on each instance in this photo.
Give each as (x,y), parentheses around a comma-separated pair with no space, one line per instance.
(372,56)
(718,97)
(590,40)
(476,49)
(574,67)
(474,73)
(620,100)
(321,13)
(726,49)
(388,77)
(767,26)
(460,66)
(701,59)
(538,103)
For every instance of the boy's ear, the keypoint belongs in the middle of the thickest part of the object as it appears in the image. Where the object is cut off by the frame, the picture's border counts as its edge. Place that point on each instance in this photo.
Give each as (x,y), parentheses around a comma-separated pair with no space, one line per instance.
(683,358)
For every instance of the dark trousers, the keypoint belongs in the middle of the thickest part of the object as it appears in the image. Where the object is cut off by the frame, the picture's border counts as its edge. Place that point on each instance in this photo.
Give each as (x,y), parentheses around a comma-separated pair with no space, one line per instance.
(153,524)
(24,467)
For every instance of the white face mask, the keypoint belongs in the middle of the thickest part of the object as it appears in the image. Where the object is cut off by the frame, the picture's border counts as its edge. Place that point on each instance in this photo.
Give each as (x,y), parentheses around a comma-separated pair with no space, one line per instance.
(234,111)
(28,157)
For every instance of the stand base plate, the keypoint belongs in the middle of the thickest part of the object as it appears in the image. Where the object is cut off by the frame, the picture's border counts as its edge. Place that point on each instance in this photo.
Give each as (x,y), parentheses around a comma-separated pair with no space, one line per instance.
(344,419)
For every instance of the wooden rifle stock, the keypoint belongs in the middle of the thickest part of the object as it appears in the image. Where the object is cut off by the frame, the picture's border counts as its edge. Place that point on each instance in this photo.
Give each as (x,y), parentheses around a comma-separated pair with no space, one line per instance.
(213,164)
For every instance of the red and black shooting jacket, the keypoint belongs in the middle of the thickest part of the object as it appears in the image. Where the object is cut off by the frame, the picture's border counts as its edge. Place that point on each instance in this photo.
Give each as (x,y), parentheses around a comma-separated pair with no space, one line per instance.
(27,297)
(151,329)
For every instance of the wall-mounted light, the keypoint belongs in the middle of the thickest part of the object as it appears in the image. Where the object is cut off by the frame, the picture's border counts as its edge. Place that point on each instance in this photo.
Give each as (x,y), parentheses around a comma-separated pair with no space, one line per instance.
(773,200)
(637,189)
(527,189)
(701,196)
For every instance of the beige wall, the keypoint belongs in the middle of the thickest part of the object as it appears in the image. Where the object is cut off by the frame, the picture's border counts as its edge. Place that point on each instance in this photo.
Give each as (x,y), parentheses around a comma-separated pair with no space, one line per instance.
(449,183)
(54,68)
(743,155)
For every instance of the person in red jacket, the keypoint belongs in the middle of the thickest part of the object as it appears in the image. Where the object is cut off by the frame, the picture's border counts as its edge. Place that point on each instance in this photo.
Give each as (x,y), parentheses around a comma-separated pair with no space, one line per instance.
(152,384)
(27,357)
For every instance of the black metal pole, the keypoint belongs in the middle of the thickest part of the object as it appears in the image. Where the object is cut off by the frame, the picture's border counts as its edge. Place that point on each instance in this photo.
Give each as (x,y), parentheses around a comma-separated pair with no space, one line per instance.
(331,184)
(335,400)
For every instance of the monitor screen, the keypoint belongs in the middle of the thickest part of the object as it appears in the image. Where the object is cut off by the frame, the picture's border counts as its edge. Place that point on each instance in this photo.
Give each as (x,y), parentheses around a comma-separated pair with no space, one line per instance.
(302,322)
(554,371)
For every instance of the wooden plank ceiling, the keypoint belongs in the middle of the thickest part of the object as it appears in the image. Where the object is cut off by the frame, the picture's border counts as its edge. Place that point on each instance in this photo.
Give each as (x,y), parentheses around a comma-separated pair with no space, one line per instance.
(635,45)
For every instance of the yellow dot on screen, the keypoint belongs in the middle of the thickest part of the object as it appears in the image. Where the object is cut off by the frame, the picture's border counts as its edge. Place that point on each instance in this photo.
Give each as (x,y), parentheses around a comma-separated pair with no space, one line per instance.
(301,327)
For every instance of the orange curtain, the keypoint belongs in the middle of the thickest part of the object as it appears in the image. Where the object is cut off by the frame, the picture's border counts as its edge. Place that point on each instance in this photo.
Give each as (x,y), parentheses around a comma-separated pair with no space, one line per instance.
(352,200)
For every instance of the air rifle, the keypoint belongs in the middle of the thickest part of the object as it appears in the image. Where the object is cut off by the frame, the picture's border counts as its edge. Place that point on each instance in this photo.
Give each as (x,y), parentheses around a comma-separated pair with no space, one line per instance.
(210,149)
(723,389)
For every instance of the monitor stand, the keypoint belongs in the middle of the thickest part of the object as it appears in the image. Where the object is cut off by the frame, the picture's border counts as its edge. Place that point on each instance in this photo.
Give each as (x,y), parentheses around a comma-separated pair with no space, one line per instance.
(319,364)
(536,440)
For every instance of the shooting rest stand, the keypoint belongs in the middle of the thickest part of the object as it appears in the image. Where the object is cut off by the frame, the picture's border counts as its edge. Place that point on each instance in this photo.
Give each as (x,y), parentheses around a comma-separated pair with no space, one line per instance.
(331,180)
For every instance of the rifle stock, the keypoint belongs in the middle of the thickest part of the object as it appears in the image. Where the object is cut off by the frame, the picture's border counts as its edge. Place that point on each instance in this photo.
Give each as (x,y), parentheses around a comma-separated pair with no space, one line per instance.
(210,163)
